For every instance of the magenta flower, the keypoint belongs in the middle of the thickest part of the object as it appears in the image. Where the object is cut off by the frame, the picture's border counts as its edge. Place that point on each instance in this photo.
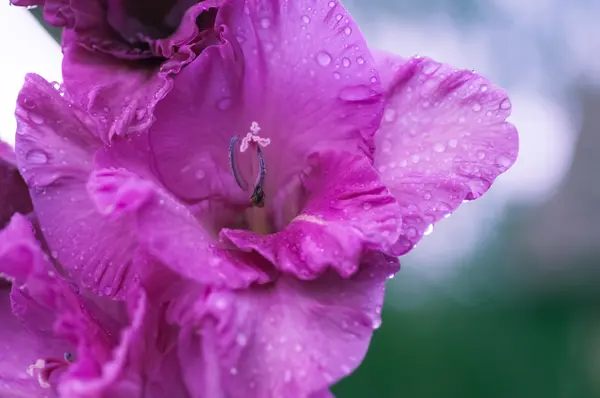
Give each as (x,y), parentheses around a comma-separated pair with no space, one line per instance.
(285,171)
(63,340)
(120,56)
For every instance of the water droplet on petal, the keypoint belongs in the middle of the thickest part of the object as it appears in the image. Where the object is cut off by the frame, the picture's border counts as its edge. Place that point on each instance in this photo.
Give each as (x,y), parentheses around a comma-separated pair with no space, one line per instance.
(241,339)
(224,103)
(200,174)
(265,23)
(348,30)
(476,107)
(345,62)
(339,17)
(35,118)
(37,156)
(233,371)
(336,76)
(332,4)
(360,60)
(29,103)
(415,158)
(323,58)
(439,147)
(389,115)
(480,155)
(367,206)
(453,143)
(483,88)
(503,161)
(428,230)
(376,323)
(357,93)
(305,18)
(505,104)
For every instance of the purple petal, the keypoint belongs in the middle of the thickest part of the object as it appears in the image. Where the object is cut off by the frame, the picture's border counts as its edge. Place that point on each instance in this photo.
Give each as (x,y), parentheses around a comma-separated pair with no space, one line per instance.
(291,339)
(301,70)
(348,210)
(120,56)
(444,139)
(20,352)
(156,219)
(106,340)
(55,148)
(14,196)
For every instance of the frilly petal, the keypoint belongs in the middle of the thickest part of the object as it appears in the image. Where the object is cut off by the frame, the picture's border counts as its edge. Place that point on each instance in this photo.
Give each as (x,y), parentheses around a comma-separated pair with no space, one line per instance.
(167,229)
(291,339)
(444,139)
(348,211)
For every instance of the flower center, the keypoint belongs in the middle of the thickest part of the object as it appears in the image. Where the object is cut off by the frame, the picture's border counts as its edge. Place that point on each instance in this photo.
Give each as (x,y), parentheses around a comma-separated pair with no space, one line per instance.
(43,368)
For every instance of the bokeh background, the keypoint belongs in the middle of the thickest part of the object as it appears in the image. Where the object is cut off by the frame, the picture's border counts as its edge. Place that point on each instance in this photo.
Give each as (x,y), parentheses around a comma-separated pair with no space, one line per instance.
(502,299)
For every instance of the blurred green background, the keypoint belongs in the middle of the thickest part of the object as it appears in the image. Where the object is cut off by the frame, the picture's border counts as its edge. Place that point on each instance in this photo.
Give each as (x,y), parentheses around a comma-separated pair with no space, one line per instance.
(501,300)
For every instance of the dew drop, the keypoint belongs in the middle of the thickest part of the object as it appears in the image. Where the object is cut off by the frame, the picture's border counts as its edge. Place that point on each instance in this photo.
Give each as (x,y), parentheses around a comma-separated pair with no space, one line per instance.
(356,93)
(224,103)
(503,161)
(505,104)
(265,23)
(411,232)
(200,174)
(360,60)
(233,371)
(476,107)
(241,339)
(376,323)
(453,143)
(348,30)
(367,206)
(483,88)
(386,146)
(389,115)
(480,155)
(428,230)
(37,119)
(323,58)
(336,76)
(305,18)
(415,158)
(332,4)
(338,17)
(298,348)
(439,147)
(37,156)
(345,62)
(28,103)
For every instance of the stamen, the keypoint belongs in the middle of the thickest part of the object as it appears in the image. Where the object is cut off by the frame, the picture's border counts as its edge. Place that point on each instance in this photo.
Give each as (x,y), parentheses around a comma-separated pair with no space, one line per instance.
(43,368)
(257,198)
(238,178)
